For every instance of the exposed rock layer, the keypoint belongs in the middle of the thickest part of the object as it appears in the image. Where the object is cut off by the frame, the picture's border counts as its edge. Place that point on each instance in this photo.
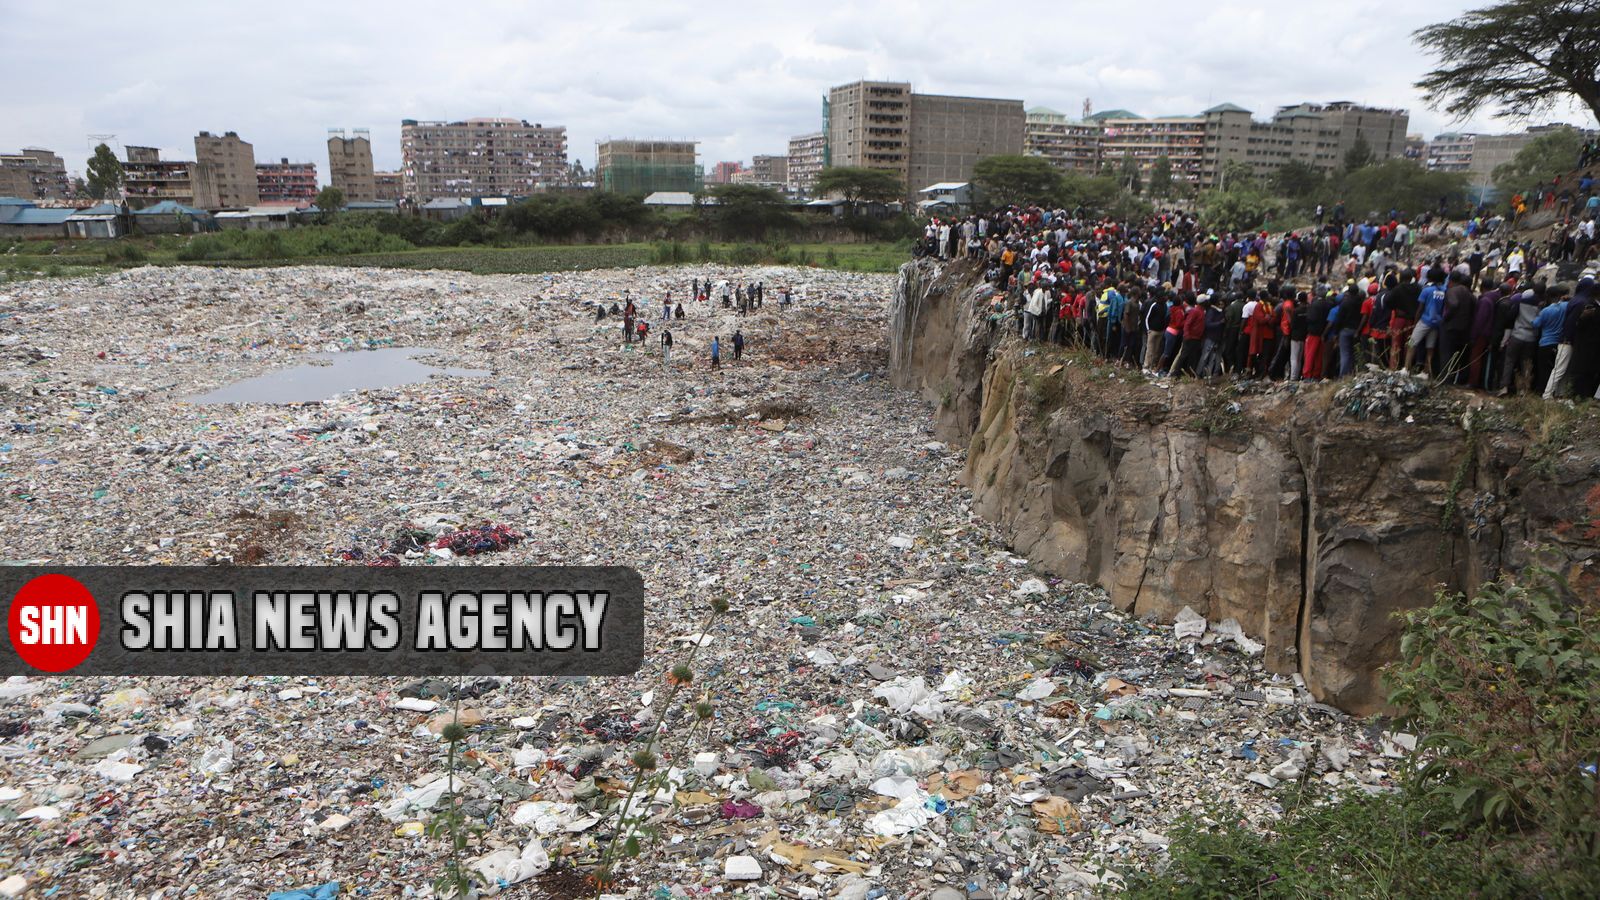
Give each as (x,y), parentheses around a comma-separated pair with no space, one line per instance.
(1309,527)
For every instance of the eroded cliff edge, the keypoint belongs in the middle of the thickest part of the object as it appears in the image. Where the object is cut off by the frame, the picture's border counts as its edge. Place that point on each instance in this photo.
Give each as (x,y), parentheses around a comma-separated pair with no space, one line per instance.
(1270,504)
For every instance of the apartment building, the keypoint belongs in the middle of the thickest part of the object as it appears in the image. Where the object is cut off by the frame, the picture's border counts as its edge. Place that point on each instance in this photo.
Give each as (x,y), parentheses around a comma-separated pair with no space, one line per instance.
(1451,152)
(388,186)
(769,169)
(480,158)
(232,165)
(922,138)
(1383,129)
(350,164)
(629,166)
(724,172)
(1317,135)
(284,182)
(1181,139)
(806,155)
(1068,145)
(147,179)
(868,124)
(34,174)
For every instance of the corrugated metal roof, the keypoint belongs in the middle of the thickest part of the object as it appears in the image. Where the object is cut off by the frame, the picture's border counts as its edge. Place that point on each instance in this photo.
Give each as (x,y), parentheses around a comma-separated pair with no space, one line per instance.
(33,215)
(168,208)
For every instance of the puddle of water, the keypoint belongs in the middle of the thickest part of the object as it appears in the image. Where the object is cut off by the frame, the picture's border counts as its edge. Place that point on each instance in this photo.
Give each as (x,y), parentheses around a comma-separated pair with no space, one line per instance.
(351,371)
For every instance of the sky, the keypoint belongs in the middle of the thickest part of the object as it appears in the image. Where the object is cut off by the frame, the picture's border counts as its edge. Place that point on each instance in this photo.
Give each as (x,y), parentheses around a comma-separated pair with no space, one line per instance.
(740,77)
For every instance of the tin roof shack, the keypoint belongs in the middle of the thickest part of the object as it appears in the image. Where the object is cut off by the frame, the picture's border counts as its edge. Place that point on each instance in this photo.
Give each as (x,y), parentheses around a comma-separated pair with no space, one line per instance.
(259,218)
(101,222)
(171,217)
(446,209)
(22,219)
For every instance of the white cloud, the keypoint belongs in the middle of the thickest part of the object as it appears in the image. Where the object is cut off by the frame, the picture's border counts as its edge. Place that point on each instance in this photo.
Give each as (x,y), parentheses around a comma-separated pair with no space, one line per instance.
(741,77)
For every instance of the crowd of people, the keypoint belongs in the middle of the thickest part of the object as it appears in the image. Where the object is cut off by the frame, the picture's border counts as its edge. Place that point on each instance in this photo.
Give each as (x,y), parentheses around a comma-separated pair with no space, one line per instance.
(741,297)
(1171,296)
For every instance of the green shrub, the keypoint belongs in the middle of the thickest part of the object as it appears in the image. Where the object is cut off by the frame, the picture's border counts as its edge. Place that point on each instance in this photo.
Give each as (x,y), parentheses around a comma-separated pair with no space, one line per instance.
(1504,689)
(704,253)
(745,255)
(310,241)
(1389,845)
(670,253)
(124,252)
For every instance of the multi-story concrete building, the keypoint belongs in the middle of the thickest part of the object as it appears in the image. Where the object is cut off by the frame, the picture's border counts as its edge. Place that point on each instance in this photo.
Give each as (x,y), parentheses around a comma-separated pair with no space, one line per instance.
(480,158)
(1317,135)
(286,182)
(34,174)
(232,162)
(627,166)
(723,172)
(147,179)
(1384,129)
(868,124)
(388,186)
(769,169)
(1069,146)
(949,135)
(350,164)
(1181,139)
(922,138)
(806,155)
(1451,152)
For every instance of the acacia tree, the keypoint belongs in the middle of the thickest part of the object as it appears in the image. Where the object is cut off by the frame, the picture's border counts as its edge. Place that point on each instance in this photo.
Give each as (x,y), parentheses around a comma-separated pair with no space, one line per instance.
(1523,56)
(857,184)
(1006,179)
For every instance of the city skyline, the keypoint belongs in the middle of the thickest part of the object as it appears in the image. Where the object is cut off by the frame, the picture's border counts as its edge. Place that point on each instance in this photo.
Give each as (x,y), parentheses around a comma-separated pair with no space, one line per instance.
(740,89)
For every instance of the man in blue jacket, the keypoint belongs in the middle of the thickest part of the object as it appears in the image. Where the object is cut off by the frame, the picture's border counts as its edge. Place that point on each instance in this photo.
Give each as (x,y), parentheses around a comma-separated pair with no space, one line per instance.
(1552,319)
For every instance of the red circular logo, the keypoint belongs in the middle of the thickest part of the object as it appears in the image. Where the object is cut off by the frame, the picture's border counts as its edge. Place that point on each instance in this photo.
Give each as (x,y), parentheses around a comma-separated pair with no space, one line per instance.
(54,623)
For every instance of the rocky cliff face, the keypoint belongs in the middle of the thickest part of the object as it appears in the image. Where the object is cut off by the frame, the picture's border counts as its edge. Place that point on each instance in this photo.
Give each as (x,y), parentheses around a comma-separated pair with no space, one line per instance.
(1280,508)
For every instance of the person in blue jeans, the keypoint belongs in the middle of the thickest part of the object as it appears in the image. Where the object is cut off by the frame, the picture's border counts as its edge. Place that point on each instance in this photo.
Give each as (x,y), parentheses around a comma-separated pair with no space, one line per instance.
(1349,323)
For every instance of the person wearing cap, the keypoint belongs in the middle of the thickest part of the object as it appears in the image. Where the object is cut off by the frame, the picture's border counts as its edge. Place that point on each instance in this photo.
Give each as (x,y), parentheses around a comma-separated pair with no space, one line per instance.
(1550,322)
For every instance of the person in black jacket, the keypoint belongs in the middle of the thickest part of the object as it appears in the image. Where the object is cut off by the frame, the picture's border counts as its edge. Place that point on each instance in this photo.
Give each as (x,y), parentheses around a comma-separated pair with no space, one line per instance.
(1402,303)
(1155,326)
(1456,331)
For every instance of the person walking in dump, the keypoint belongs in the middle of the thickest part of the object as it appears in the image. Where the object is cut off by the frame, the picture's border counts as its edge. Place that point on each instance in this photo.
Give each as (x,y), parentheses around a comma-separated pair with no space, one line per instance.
(666,348)
(738,344)
(716,352)
(666,308)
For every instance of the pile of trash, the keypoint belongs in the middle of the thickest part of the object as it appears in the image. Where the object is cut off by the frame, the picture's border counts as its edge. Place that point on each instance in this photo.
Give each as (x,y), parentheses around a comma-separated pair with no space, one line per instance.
(1378,393)
(894,704)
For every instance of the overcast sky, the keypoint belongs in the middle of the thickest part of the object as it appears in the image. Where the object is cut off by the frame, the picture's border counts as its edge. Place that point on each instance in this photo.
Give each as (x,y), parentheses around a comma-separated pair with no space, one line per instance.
(741,77)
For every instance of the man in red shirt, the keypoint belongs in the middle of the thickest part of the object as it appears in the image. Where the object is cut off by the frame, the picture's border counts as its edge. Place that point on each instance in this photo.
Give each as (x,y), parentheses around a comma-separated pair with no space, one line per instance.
(1194,332)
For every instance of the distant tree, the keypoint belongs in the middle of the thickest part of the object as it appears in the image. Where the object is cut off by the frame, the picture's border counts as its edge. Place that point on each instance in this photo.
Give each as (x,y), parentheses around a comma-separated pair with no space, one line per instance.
(1237,176)
(1009,179)
(1240,208)
(1523,56)
(750,211)
(80,188)
(104,174)
(1545,157)
(1161,177)
(1401,185)
(1128,175)
(1360,154)
(329,201)
(1297,180)
(1092,194)
(858,184)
